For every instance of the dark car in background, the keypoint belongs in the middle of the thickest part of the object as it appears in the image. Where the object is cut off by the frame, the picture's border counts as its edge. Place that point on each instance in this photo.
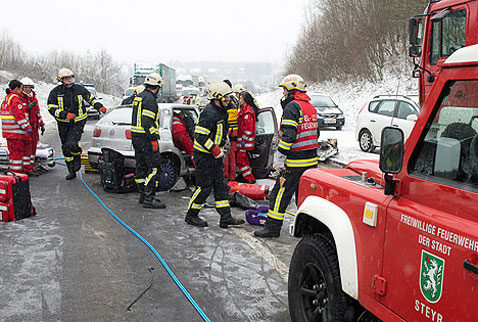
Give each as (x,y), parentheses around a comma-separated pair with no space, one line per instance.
(328,113)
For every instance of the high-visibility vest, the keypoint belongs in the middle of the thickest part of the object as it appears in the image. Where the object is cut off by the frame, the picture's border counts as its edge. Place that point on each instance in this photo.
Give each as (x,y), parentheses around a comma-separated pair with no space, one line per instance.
(14,128)
(306,138)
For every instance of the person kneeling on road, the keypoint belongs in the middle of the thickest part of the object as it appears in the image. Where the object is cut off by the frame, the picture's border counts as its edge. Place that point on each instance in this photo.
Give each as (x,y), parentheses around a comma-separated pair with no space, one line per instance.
(145,136)
(210,138)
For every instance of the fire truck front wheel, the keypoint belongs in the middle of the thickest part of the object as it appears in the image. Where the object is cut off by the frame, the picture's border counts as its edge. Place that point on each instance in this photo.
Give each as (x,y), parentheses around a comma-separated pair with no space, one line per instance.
(315,291)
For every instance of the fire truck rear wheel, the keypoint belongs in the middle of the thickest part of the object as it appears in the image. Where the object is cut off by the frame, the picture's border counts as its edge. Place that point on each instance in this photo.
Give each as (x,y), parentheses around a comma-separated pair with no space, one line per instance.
(315,290)
(366,141)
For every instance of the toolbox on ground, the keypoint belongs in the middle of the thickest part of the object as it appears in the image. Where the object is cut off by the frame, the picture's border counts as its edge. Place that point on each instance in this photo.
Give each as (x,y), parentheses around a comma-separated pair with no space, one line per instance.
(15,198)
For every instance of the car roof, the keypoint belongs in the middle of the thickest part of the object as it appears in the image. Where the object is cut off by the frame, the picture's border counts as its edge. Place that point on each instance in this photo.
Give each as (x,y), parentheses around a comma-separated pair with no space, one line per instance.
(411,98)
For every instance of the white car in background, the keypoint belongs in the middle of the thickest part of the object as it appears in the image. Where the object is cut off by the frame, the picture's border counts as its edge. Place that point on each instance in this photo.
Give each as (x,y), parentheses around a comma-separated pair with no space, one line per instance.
(385,110)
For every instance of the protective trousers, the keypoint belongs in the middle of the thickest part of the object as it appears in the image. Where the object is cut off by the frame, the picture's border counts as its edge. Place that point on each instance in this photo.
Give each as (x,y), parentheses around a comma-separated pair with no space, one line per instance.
(19,154)
(209,175)
(244,165)
(70,136)
(147,162)
(282,194)
(230,163)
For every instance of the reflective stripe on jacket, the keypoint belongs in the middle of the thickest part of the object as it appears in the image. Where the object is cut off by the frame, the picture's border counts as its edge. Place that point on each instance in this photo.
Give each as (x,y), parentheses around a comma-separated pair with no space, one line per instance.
(247,128)
(211,129)
(14,114)
(145,116)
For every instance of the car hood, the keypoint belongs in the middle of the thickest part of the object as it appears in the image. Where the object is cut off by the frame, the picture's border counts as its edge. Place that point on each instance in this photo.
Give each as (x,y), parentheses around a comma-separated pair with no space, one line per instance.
(370,166)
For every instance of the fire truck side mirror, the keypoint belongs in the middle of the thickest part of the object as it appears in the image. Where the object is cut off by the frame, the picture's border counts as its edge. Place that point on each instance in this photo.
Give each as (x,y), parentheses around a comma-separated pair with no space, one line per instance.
(391,150)
(414,32)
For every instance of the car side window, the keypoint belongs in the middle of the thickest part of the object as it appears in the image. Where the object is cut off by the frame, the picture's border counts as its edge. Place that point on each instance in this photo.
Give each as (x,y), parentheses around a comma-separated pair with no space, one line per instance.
(265,123)
(404,110)
(386,108)
(373,106)
(448,149)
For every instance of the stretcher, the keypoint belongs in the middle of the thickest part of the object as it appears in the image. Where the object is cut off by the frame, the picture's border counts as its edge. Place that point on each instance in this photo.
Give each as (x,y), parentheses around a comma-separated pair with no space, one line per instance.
(253,191)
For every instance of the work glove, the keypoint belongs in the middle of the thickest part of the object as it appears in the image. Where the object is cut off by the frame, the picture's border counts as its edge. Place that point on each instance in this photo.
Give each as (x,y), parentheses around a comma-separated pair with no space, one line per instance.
(70,116)
(32,104)
(155,145)
(279,165)
(102,109)
(30,130)
(217,152)
(42,129)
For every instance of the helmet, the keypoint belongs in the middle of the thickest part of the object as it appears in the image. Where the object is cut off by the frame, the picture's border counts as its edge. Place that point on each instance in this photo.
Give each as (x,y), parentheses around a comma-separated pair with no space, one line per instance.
(239,88)
(218,91)
(293,82)
(138,89)
(65,72)
(27,82)
(154,79)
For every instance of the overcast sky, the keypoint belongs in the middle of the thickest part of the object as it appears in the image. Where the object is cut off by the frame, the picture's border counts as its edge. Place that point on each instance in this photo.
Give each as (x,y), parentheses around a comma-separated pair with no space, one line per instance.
(152,31)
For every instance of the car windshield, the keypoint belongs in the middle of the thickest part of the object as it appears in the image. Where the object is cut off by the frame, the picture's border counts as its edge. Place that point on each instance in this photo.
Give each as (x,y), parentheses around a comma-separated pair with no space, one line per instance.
(92,90)
(189,92)
(119,116)
(324,103)
(129,92)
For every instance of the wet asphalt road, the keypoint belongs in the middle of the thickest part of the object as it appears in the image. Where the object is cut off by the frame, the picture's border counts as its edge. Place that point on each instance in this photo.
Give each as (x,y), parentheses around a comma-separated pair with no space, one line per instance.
(74,262)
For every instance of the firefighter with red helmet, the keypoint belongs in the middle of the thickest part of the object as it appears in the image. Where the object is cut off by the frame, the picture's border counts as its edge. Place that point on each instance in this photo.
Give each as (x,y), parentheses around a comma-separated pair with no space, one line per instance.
(210,138)
(16,129)
(36,121)
(297,151)
(66,105)
(181,137)
(246,135)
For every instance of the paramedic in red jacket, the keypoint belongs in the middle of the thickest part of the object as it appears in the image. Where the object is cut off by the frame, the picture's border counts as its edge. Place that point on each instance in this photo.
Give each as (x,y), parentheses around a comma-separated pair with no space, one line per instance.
(17,129)
(246,120)
(181,137)
(36,120)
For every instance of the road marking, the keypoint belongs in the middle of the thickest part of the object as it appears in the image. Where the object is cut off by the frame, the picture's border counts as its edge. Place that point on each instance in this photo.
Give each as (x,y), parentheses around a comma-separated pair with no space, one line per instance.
(264,252)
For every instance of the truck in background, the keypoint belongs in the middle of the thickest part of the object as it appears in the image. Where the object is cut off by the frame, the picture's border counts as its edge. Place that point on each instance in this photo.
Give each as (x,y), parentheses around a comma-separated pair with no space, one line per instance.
(167,94)
(446,26)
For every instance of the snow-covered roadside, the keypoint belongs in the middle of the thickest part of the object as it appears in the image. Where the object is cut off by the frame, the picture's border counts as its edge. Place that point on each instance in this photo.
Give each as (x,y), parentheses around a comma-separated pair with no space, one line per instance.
(350,97)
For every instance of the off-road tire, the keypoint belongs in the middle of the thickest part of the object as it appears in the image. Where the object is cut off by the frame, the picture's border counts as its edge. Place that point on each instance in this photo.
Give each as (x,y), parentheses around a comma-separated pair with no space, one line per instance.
(314,276)
(366,141)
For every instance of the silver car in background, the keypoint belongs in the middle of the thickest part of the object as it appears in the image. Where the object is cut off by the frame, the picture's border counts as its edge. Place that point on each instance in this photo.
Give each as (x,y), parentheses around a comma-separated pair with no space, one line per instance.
(114,131)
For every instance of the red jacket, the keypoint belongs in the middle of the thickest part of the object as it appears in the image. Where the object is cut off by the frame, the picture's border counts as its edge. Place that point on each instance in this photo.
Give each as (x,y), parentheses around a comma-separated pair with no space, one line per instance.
(14,113)
(246,135)
(181,137)
(36,121)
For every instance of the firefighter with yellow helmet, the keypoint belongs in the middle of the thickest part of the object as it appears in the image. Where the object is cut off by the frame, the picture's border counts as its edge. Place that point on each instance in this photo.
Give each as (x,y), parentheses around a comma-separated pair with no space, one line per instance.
(66,105)
(210,137)
(297,151)
(145,137)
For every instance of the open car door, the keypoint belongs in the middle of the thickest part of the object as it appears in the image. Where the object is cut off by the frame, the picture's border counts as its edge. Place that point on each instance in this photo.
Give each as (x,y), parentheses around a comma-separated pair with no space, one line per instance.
(262,157)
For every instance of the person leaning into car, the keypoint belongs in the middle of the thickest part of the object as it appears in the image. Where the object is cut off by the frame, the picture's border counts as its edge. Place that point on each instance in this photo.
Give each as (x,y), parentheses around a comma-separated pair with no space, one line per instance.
(145,136)
(66,104)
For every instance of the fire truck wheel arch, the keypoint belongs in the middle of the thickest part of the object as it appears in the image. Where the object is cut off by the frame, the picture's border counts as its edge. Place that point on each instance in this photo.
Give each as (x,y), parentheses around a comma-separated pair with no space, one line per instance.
(337,221)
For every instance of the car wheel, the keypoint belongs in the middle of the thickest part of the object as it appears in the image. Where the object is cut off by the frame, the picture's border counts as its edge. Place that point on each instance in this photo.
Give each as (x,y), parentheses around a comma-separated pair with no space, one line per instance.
(365,141)
(338,128)
(167,176)
(315,290)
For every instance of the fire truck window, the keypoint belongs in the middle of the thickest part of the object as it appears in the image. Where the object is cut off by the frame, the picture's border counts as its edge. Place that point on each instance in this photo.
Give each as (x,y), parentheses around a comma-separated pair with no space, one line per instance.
(453,32)
(435,43)
(448,150)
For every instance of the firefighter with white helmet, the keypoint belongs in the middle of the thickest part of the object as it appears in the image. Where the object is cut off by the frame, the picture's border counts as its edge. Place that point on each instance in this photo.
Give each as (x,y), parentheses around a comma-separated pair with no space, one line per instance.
(35,118)
(145,137)
(210,138)
(297,150)
(66,105)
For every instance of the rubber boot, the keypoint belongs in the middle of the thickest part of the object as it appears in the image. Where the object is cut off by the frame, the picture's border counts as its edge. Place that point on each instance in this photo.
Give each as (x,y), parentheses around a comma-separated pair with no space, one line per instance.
(194,220)
(227,220)
(71,171)
(271,228)
(141,193)
(149,200)
(77,162)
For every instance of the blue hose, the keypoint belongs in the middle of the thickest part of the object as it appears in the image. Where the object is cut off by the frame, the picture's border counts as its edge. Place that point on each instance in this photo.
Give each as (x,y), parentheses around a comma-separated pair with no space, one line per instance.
(155,252)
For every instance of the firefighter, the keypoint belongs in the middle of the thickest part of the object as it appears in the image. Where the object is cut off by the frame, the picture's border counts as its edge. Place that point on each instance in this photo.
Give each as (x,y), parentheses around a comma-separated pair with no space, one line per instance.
(297,151)
(210,138)
(246,135)
(129,100)
(66,104)
(145,136)
(16,129)
(36,121)
(230,159)
(181,137)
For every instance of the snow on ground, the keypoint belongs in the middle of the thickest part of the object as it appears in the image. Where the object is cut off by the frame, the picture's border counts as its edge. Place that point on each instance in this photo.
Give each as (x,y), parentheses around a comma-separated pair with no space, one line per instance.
(350,98)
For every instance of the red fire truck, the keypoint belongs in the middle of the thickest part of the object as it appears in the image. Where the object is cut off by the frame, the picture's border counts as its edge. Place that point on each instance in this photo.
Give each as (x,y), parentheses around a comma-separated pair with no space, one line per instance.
(446,26)
(399,243)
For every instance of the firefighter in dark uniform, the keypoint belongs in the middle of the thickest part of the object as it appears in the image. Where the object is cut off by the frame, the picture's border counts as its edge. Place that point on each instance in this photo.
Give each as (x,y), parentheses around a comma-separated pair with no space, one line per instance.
(297,151)
(66,104)
(145,137)
(210,138)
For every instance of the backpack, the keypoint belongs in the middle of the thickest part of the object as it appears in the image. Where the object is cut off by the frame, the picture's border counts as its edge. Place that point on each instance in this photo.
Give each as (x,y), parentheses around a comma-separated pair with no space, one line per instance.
(112,172)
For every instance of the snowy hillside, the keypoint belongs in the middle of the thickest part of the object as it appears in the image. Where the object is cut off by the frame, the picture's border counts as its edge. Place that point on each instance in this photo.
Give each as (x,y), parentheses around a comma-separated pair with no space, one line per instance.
(350,98)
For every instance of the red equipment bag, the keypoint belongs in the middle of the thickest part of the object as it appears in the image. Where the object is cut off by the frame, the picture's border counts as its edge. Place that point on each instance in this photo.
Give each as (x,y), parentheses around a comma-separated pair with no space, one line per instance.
(15,198)
(253,191)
